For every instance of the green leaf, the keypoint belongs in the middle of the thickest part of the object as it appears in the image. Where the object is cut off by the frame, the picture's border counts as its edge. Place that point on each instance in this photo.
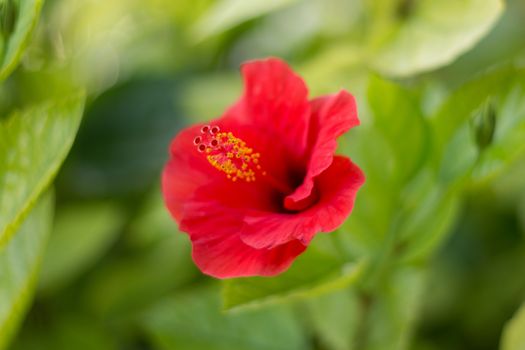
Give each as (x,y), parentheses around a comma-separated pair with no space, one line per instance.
(16,39)
(33,145)
(82,234)
(398,117)
(19,265)
(459,156)
(334,318)
(194,321)
(313,273)
(428,34)
(374,209)
(429,210)
(400,147)
(390,315)
(226,14)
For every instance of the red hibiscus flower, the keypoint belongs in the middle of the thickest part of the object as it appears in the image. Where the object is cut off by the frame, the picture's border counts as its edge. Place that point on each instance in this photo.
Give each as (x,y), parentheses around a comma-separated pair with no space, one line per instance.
(253,187)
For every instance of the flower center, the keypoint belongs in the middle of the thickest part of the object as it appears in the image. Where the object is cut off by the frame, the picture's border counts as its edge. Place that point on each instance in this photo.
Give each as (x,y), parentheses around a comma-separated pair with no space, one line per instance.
(228,154)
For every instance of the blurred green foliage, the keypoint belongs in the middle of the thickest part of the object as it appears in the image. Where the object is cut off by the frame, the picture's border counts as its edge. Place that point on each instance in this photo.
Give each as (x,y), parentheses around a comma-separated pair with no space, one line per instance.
(433,256)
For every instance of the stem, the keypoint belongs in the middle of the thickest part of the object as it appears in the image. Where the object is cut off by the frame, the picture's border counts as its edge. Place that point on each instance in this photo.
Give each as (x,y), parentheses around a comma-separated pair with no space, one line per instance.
(380,266)
(361,334)
(378,272)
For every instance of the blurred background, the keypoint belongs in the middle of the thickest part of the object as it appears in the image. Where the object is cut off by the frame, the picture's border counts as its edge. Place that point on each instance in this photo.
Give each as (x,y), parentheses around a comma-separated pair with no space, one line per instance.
(117,274)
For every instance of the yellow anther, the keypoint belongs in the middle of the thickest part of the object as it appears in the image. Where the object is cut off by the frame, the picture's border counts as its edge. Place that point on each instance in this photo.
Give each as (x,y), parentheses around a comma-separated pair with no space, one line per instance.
(228,154)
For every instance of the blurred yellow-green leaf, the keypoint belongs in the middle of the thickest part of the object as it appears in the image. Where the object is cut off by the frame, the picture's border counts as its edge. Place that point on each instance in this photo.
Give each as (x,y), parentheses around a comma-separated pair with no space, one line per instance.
(18,19)
(19,264)
(427,34)
(514,332)
(225,14)
(33,145)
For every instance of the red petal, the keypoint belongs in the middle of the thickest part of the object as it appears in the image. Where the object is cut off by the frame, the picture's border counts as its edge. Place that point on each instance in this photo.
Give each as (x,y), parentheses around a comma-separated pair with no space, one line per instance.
(276,99)
(218,250)
(332,116)
(337,187)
